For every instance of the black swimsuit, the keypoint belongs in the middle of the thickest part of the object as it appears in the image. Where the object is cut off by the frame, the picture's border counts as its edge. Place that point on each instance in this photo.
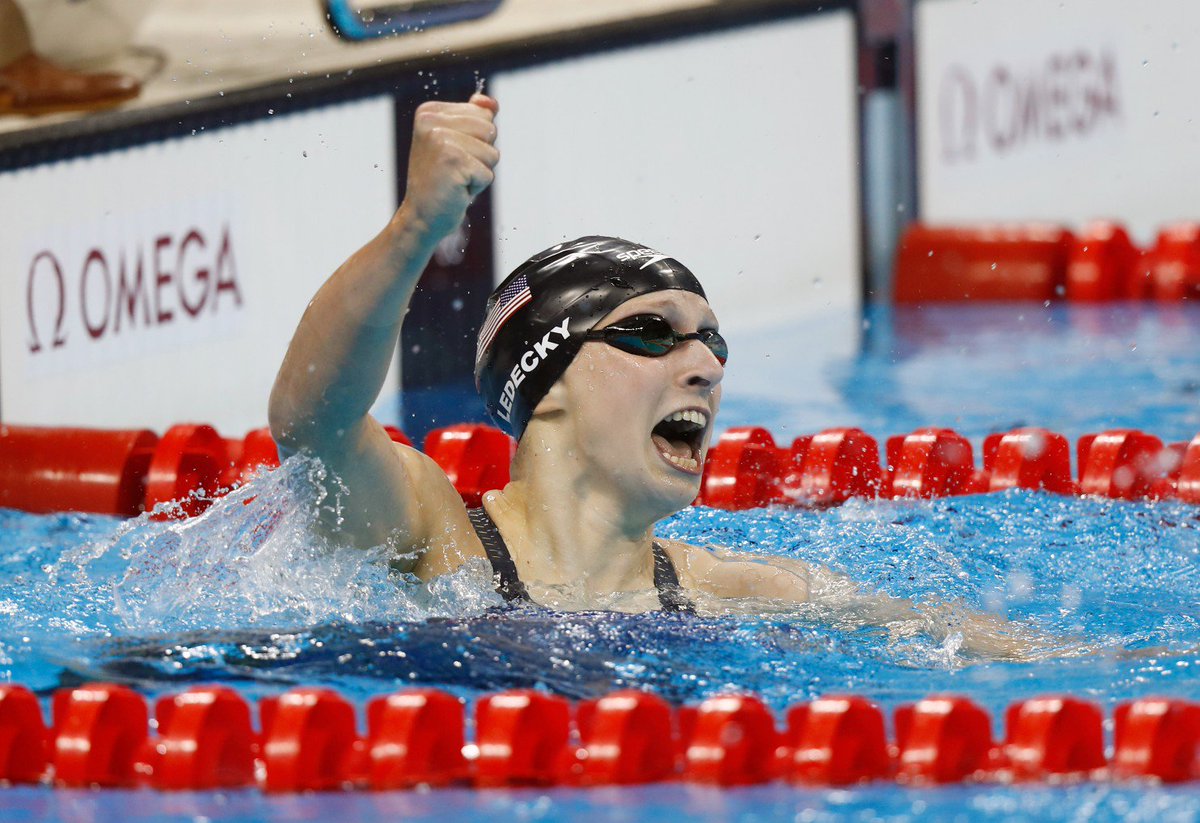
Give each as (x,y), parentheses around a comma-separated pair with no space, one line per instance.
(510,587)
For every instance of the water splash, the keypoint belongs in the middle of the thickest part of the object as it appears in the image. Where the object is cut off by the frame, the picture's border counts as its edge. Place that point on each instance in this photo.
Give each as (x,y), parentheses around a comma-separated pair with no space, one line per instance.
(251,593)
(255,558)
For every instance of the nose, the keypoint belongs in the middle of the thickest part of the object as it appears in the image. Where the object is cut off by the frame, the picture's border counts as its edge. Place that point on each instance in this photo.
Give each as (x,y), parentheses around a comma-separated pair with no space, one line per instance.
(700,367)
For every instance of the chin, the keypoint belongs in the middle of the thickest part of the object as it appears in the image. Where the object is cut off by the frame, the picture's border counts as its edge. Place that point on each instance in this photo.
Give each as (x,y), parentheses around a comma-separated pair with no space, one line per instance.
(672,494)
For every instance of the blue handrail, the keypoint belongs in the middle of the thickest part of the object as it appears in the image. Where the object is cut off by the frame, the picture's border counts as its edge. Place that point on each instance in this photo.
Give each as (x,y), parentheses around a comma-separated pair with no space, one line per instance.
(357,20)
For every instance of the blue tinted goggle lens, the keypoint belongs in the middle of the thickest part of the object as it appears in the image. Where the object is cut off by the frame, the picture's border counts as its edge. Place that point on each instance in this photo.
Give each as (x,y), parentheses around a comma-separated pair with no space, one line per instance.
(649,335)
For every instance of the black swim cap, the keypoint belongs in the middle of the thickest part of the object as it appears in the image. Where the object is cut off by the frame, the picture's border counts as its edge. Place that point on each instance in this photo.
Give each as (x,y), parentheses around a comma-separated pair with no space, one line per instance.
(536,318)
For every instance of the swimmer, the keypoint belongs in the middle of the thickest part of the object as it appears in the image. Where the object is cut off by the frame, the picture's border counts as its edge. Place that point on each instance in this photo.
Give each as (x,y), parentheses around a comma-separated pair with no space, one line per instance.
(604,359)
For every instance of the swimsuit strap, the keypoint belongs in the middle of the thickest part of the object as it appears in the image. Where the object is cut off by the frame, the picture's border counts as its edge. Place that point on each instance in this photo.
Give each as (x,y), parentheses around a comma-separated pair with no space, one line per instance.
(666,580)
(504,570)
(510,587)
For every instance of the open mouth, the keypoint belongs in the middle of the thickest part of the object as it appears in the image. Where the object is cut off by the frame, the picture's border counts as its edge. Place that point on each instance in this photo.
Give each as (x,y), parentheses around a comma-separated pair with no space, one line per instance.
(679,438)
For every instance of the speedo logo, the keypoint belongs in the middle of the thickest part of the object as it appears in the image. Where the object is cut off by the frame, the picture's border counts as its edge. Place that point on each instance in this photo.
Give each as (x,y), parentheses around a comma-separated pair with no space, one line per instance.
(633,255)
(528,363)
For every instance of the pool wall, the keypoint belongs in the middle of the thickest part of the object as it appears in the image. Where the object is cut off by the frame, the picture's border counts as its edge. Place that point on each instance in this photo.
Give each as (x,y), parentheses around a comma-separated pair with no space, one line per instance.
(137,312)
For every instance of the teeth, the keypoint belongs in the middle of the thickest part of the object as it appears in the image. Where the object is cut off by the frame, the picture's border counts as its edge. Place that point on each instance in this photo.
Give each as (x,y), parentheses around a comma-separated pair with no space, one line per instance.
(689,463)
(697,417)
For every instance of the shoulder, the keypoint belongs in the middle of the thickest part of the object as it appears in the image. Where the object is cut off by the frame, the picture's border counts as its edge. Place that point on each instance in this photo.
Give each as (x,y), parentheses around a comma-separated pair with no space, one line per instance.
(449,539)
(725,573)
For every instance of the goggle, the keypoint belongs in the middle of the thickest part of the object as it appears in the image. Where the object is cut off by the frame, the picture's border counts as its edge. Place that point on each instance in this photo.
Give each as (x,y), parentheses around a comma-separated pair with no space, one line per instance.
(649,335)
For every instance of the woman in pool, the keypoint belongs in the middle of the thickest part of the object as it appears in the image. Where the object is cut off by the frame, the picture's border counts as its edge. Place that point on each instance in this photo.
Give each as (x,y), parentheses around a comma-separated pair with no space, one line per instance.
(603,358)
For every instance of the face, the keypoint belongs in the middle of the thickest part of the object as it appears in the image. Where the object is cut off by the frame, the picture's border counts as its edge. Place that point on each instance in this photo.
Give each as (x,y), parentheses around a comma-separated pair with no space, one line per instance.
(644,423)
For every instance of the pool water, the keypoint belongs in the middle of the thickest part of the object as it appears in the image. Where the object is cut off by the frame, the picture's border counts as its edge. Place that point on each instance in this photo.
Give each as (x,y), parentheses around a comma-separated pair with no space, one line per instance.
(245,595)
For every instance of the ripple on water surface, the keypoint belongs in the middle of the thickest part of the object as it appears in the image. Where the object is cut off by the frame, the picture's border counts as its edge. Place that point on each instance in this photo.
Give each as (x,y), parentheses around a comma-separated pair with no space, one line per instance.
(250,596)
(247,594)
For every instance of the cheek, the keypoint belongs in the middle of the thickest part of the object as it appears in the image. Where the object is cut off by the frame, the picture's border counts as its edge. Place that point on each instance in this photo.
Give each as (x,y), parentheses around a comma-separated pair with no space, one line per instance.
(621,375)
(612,391)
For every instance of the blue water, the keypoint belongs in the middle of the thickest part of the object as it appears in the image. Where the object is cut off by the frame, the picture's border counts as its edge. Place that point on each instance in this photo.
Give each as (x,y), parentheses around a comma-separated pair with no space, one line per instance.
(246,595)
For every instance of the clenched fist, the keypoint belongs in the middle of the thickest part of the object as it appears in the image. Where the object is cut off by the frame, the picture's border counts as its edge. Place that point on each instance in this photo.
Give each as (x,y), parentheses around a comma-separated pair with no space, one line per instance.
(451,161)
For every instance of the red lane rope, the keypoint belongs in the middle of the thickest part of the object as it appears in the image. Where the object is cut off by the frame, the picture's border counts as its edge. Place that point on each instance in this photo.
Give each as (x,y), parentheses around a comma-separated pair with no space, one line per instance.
(746,469)
(126,472)
(1045,262)
(308,739)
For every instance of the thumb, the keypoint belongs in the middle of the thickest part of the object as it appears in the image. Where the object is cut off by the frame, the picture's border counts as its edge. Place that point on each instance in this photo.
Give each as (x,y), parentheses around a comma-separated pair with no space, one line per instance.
(484,102)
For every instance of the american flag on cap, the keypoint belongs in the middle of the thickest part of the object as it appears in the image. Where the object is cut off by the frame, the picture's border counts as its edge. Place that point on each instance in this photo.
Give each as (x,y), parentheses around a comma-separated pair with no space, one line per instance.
(515,295)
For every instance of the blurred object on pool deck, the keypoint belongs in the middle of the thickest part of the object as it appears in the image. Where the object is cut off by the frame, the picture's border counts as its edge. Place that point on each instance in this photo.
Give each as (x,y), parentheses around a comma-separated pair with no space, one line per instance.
(40,46)
(32,85)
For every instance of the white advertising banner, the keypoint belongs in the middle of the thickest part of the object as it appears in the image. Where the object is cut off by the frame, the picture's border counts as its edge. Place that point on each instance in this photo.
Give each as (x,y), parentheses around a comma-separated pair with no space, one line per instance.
(1064,111)
(735,151)
(161,284)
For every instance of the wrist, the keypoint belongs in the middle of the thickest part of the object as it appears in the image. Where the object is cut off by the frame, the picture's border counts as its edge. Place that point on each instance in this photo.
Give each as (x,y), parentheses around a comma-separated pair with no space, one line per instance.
(409,228)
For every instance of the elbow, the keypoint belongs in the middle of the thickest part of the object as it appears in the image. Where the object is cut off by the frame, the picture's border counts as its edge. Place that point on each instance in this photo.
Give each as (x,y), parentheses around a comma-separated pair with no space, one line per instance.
(300,426)
(288,428)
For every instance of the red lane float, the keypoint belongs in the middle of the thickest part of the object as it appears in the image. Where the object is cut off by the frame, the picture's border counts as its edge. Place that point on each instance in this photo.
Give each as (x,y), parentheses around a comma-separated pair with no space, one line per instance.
(837,741)
(397,436)
(186,470)
(1053,736)
(100,730)
(1157,738)
(522,738)
(1123,464)
(829,468)
(87,470)
(23,736)
(932,462)
(733,743)
(475,458)
(1186,483)
(1172,268)
(1014,262)
(942,740)
(204,740)
(1028,458)
(627,740)
(741,470)
(415,738)
(1102,265)
(308,741)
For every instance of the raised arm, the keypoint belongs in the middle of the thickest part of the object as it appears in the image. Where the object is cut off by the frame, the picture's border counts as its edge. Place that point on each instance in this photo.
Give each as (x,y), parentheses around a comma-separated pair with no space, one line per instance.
(339,355)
